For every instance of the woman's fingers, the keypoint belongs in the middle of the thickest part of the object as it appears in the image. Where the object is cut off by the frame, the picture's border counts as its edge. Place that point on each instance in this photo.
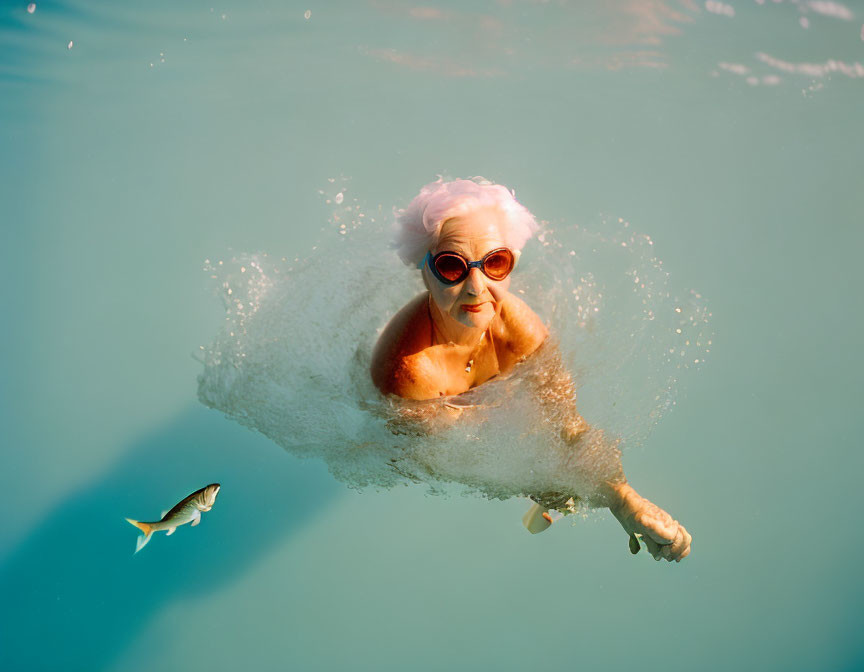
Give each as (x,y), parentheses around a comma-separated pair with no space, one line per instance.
(655,523)
(679,548)
(664,537)
(682,549)
(653,548)
(660,539)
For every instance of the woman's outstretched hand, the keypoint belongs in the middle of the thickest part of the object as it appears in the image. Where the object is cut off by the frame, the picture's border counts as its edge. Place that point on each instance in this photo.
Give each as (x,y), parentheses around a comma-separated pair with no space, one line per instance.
(664,536)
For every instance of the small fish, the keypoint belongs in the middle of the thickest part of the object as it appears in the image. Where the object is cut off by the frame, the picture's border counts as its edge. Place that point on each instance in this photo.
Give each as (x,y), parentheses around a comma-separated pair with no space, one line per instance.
(188,510)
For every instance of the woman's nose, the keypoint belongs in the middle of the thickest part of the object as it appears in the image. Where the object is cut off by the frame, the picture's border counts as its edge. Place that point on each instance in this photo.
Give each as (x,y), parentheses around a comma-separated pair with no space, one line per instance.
(475,284)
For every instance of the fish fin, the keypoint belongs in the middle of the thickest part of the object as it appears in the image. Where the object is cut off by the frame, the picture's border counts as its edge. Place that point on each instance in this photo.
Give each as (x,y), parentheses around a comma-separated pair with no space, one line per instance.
(142,542)
(196,521)
(170,531)
(146,529)
(162,515)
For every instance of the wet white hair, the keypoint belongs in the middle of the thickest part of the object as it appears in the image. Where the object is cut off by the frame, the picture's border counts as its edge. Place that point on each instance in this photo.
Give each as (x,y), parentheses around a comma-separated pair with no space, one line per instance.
(418,225)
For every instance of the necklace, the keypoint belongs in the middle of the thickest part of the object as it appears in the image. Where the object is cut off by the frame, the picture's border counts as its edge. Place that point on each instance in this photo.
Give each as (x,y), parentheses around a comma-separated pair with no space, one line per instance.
(474,352)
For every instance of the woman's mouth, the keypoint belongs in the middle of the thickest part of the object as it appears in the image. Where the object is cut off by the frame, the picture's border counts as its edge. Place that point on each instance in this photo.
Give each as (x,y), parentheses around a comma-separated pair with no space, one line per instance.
(472,307)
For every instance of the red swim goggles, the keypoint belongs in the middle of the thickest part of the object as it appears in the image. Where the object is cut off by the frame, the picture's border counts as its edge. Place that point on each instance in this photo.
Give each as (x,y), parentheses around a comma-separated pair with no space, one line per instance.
(452,268)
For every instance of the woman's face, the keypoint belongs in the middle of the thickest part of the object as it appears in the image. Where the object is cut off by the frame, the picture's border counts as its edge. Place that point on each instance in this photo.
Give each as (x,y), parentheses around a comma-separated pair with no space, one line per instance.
(472,302)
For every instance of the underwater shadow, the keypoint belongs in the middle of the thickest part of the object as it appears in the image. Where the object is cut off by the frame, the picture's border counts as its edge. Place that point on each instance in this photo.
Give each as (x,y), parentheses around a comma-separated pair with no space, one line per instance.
(73,593)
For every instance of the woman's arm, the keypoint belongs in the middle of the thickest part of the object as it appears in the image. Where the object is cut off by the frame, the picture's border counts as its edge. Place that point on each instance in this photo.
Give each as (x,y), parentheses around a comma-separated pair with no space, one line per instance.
(593,454)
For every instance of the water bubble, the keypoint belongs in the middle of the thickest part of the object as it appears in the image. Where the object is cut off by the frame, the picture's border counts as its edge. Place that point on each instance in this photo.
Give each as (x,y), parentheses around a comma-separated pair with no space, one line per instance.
(70,45)
(339,198)
(624,363)
(31,8)
(307,14)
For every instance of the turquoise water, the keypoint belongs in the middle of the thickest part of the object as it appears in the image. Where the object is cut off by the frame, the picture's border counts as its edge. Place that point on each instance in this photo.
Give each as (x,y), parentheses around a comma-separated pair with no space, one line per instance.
(729,133)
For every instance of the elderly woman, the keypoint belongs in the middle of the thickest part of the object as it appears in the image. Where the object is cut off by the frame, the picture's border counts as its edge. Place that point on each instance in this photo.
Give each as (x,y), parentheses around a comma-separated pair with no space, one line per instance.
(466,237)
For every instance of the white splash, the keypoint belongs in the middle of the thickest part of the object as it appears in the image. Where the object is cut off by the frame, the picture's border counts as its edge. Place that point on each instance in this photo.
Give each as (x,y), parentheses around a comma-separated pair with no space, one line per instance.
(292,360)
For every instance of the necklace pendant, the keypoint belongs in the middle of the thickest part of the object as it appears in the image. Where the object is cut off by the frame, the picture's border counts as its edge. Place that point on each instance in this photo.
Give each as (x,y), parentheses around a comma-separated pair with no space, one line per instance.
(470,364)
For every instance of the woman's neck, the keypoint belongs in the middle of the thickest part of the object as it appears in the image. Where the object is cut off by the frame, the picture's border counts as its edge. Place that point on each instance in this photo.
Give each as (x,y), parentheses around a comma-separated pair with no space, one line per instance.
(450,331)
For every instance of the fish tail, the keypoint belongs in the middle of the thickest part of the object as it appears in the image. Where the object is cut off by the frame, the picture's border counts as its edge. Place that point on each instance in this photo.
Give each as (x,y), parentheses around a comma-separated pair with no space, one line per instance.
(146,528)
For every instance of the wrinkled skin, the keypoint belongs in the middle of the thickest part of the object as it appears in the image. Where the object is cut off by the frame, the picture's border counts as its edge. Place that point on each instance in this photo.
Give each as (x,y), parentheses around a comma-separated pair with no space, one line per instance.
(455,337)
(664,536)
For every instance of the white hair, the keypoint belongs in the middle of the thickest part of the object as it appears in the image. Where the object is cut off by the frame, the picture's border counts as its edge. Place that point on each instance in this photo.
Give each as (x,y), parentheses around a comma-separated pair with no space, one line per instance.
(418,225)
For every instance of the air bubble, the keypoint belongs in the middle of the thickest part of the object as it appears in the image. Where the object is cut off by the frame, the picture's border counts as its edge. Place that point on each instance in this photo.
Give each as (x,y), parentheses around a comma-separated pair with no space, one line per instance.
(265,371)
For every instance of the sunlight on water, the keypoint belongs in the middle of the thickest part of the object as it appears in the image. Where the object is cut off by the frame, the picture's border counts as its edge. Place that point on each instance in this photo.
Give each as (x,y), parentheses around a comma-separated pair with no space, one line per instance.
(292,360)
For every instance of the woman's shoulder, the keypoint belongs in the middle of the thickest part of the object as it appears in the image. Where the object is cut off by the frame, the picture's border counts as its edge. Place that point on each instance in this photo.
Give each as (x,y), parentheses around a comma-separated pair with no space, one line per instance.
(520,330)
(400,364)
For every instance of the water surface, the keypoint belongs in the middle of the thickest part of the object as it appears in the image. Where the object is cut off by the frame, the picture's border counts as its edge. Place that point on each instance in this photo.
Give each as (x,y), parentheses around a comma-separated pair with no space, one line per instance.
(168,134)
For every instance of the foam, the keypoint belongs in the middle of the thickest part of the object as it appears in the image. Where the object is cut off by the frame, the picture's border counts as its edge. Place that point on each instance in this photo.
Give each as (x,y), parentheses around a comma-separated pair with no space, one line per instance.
(293,357)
